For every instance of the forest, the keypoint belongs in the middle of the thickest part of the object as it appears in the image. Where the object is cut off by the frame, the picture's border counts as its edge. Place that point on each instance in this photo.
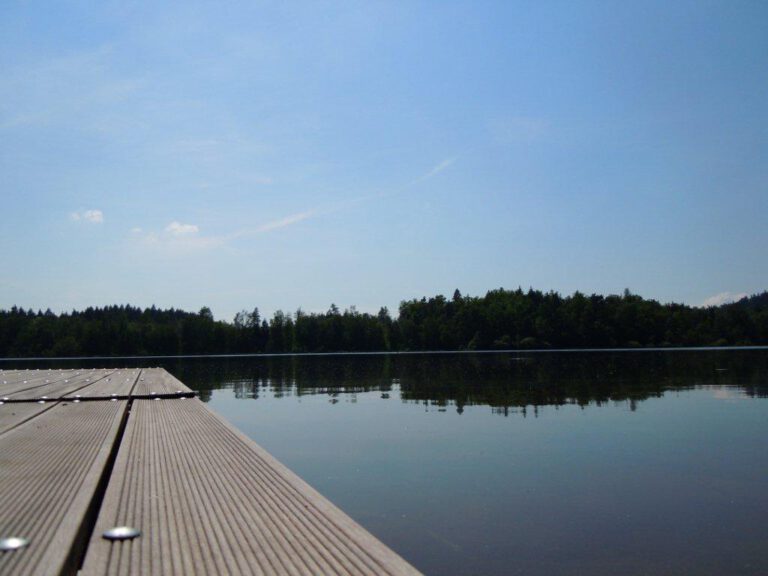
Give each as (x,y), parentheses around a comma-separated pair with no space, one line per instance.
(500,320)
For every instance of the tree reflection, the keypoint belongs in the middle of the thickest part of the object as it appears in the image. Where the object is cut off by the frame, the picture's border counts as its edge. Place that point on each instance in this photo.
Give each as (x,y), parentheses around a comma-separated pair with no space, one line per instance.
(509,383)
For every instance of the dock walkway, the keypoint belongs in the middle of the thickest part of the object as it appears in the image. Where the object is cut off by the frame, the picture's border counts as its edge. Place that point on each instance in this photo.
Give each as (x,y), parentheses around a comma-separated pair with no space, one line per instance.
(83,451)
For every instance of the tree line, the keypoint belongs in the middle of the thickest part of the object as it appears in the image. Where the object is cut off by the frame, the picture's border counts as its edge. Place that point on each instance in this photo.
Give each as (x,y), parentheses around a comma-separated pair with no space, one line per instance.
(500,320)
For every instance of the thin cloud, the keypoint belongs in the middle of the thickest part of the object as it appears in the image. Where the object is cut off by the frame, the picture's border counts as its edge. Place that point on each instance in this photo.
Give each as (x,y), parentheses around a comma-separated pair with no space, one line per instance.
(92,216)
(434,171)
(95,216)
(299,217)
(723,298)
(85,88)
(287,221)
(177,229)
(274,224)
(175,239)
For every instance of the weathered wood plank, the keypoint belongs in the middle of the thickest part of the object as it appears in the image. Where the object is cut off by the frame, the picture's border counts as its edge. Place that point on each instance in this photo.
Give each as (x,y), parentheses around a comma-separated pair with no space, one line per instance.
(119,383)
(12,415)
(57,389)
(50,467)
(210,501)
(10,376)
(156,381)
(13,383)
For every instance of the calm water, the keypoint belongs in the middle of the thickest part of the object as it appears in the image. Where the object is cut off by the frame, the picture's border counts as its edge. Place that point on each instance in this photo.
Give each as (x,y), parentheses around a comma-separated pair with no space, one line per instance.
(563,463)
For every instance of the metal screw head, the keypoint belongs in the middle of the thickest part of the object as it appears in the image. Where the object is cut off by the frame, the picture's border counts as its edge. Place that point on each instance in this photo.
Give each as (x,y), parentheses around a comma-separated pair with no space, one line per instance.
(122,533)
(13,543)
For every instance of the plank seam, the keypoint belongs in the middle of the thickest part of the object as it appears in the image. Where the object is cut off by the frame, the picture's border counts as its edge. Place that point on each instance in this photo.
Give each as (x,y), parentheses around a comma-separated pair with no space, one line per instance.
(76,556)
(35,415)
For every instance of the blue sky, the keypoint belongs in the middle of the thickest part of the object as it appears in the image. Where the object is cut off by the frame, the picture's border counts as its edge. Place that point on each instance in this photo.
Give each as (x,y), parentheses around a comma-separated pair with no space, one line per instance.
(360,153)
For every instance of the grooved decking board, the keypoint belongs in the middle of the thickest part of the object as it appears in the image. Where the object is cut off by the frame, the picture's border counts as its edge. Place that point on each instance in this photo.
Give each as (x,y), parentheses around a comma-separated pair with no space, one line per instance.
(8,377)
(50,467)
(210,501)
(119,383)
(56,389)
(158,381)
(12,383)
(11,415)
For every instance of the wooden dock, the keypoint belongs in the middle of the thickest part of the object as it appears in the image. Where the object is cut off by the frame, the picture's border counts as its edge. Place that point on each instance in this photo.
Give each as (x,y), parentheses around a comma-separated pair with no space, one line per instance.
(83,451)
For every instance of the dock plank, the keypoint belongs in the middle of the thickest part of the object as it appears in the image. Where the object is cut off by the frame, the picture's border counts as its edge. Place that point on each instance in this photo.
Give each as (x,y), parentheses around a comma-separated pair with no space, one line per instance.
(58,389)
(157,381)
(13,383)
(119,383)
(50,467)
(210,501)
(12,376)
(12,415)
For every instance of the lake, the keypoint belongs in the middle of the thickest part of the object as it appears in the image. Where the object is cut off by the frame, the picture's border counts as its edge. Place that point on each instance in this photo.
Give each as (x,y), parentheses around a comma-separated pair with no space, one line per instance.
(519,463)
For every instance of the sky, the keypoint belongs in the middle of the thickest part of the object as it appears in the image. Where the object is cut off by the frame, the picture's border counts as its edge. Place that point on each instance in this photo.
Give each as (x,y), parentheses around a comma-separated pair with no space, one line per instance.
(299,154)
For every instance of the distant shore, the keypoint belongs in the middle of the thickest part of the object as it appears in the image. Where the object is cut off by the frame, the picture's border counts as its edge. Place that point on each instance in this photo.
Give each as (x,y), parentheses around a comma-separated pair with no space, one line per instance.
(500,321)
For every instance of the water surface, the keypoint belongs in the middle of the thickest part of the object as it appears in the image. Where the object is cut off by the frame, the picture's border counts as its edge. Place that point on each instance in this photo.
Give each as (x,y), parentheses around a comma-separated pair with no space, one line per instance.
(570,463)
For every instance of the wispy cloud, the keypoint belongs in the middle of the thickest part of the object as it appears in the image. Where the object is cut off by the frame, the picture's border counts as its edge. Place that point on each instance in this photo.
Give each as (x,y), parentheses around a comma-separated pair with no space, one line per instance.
(287,221)
(434,171)
(723,298)
(95,216)
(179,238)
(431,173)
(273,225)
(188,235)
(92,216)
(177,229)
(330,209)
(175,239)
(78,89)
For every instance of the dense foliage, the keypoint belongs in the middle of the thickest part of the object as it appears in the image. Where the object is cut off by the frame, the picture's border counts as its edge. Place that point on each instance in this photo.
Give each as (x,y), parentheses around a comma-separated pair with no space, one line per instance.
(502,319)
